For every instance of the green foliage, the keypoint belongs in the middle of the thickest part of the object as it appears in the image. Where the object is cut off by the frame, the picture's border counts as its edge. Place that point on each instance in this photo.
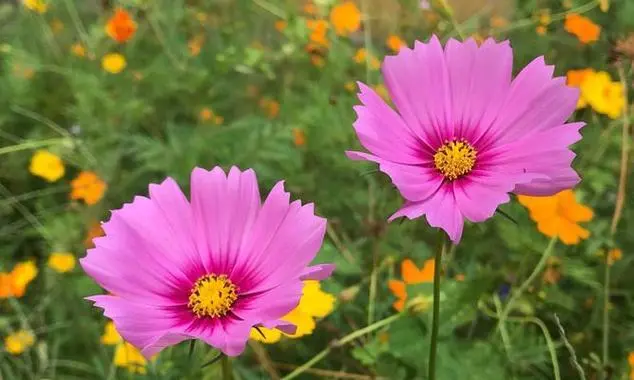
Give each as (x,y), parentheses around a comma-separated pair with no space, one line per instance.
(147,122)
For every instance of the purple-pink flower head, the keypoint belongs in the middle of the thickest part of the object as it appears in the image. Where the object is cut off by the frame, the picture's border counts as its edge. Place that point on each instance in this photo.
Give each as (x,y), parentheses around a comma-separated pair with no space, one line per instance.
(208,268)
(465,133)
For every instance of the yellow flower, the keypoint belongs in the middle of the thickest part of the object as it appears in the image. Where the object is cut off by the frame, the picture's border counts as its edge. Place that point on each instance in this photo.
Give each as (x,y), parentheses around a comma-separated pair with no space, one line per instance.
(78,49)
(559,215)
(110,335)
(543,16)
(89,187)
(604,5)
(19,341)
(575,78)
(61,262)
(395,43)
(382,92)
(57,26)
(315,303)
(411,275)
(127,356)
(345,18)
(38,6)
(47,165)
(113,63)
(604,95)
(23,273)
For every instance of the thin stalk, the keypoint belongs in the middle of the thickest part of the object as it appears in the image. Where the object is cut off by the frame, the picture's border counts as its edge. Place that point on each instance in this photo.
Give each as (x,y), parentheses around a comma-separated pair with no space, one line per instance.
(33,144)
(436,312)
(524,286)
(605,354)
(338,343)
(227,371)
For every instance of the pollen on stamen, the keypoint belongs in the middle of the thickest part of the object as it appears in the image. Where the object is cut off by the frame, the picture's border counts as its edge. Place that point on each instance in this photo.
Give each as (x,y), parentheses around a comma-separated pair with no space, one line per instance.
(455,159)
(212,296)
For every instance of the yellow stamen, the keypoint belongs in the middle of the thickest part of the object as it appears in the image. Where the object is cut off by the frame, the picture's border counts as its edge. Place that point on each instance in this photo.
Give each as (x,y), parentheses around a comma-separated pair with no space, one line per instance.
(455,159)
(212,296)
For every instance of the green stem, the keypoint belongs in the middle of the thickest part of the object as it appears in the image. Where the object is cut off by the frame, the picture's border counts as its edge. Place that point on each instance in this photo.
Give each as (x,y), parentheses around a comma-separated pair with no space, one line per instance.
(605,357)
(227,371)
(33,144)
(338,343)
(538,269)
(436,312)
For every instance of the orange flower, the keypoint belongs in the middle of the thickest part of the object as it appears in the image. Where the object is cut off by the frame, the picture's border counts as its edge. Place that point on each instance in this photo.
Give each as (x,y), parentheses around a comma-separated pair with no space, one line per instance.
(270,107)
(346,18)
(206,114)
(541,30)
(87,186)
(299,138)
(582,27)
(14,284)
(395,43)
(361,56)
(121,27)
(317,60)
(559,215)
(318,30)
(310,9)
(94,231)
(411,275)
(280,25)
(614,255)
(552,275)
(350,86)
(195,44)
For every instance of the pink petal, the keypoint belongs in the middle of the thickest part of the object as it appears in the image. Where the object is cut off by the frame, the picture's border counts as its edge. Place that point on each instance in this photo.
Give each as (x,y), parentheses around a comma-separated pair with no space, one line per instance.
(317,272)
(224,208)
(545,154)
(535,102)
(441,210)
(142,325)
(145,253)
(285,239)
(480,79)
(414,182)
(478,202)
(379,129)
(418,83)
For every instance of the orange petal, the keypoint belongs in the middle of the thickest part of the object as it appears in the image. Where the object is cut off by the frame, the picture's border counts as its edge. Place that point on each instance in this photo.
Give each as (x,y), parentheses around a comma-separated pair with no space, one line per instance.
(409,271)
(398,288)
(399,305)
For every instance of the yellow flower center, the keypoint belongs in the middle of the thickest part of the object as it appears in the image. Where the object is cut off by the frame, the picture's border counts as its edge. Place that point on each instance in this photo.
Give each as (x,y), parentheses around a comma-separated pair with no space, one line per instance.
(212,296)
(455,158)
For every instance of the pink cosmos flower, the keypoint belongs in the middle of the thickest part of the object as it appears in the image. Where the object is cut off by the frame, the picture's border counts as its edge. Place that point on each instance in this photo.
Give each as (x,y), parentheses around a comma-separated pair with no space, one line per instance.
(464,133)
(208,268)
